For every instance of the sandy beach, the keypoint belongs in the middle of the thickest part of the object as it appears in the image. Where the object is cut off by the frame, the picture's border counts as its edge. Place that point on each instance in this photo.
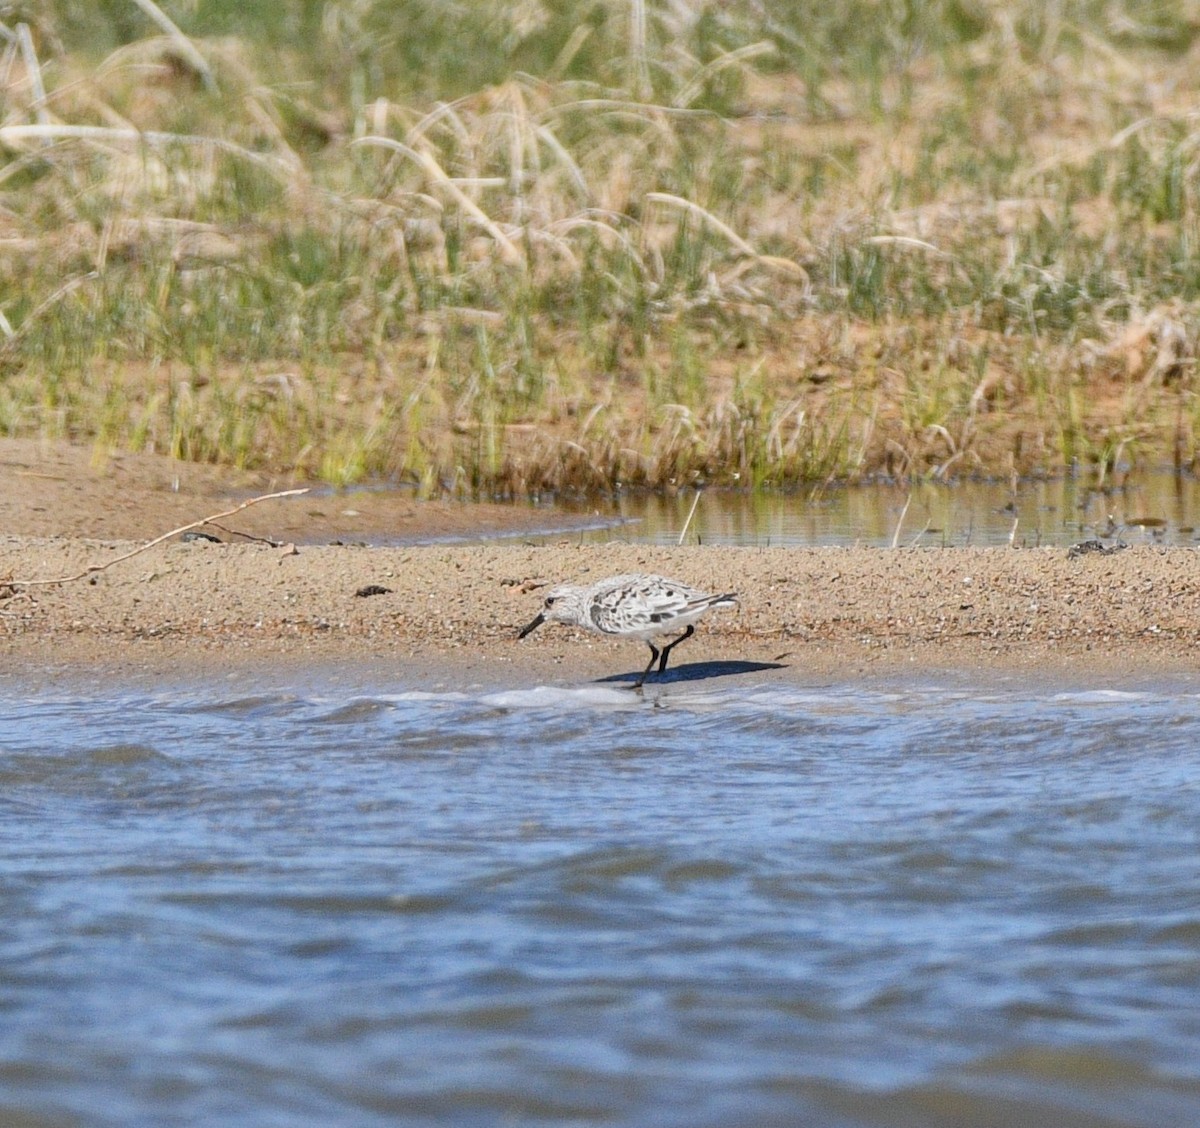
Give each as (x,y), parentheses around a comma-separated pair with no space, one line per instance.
(450,613)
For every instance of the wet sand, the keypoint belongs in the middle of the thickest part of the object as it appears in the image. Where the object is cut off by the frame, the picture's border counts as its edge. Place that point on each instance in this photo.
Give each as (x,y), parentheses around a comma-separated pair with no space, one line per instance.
(251,611)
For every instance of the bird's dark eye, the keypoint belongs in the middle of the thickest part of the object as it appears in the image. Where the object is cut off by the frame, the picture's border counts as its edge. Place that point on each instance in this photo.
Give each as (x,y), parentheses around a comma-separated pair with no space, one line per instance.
(551,600)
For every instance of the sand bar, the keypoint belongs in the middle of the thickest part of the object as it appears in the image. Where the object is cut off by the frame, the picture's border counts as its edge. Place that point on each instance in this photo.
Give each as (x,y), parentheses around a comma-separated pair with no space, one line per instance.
(451,612)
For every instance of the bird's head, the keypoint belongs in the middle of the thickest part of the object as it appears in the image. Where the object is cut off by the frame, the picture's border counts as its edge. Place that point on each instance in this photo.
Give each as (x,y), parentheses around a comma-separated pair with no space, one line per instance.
(563,604)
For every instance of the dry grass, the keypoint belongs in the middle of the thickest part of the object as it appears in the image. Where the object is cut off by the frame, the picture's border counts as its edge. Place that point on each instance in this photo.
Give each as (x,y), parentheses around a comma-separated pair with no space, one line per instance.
(698,244)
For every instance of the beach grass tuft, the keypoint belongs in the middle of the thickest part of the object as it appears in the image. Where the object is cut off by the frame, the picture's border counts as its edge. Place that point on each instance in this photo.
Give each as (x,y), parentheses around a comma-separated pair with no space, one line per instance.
(512,250)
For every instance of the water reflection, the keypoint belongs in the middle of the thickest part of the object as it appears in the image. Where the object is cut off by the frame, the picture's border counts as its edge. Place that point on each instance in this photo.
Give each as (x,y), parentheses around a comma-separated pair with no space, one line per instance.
(1152,509)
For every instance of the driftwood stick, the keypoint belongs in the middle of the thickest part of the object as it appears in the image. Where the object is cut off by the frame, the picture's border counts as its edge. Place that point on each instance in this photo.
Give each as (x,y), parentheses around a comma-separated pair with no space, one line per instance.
(91,569)
(246,536)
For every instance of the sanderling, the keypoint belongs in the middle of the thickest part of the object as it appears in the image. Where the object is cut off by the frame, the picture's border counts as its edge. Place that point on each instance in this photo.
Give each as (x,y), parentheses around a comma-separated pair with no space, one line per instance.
(633,606)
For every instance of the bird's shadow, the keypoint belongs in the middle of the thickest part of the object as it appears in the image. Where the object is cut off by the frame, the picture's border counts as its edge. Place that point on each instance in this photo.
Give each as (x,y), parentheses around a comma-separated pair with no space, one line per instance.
(696,671)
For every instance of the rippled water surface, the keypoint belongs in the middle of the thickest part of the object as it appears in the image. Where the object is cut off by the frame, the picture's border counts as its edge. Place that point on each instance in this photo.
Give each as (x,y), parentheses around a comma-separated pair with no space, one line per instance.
(714,905)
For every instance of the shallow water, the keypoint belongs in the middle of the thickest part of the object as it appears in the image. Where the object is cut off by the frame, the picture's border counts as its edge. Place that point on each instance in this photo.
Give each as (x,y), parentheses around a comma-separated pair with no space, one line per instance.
(718,904)
(1147,509)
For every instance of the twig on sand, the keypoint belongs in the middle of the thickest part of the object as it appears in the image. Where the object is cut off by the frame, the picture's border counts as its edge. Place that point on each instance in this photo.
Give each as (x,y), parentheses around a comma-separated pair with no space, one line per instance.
(246,536)
(91,569)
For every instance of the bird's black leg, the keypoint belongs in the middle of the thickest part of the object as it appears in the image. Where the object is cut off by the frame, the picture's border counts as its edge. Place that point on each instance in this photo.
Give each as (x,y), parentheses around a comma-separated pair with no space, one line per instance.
(653,658)
(662,662)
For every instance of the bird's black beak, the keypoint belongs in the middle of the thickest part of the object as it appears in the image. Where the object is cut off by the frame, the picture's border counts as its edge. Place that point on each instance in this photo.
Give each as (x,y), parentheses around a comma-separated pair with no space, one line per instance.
(532,626)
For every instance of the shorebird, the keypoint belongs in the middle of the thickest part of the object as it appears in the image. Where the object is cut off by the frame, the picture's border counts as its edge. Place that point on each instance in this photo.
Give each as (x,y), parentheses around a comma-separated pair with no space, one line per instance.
(632,606)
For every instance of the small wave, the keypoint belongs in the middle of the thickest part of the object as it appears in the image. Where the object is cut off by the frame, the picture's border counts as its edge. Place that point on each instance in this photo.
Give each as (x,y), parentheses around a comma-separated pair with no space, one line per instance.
(564,697)
(1102,696)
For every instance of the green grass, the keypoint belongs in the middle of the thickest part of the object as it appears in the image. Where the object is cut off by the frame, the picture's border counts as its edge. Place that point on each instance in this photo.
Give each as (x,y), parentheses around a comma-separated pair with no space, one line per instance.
(504,249)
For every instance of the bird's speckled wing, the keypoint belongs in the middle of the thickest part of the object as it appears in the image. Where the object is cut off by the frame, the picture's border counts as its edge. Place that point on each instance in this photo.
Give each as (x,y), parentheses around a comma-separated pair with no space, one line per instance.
(627,604)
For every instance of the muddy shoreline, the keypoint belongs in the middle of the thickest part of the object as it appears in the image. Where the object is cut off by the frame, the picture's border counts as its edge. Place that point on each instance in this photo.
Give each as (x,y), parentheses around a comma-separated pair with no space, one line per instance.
(449,616)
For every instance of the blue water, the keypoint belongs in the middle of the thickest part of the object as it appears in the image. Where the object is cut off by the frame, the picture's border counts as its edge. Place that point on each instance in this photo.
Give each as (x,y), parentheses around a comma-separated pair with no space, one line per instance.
(727,902)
